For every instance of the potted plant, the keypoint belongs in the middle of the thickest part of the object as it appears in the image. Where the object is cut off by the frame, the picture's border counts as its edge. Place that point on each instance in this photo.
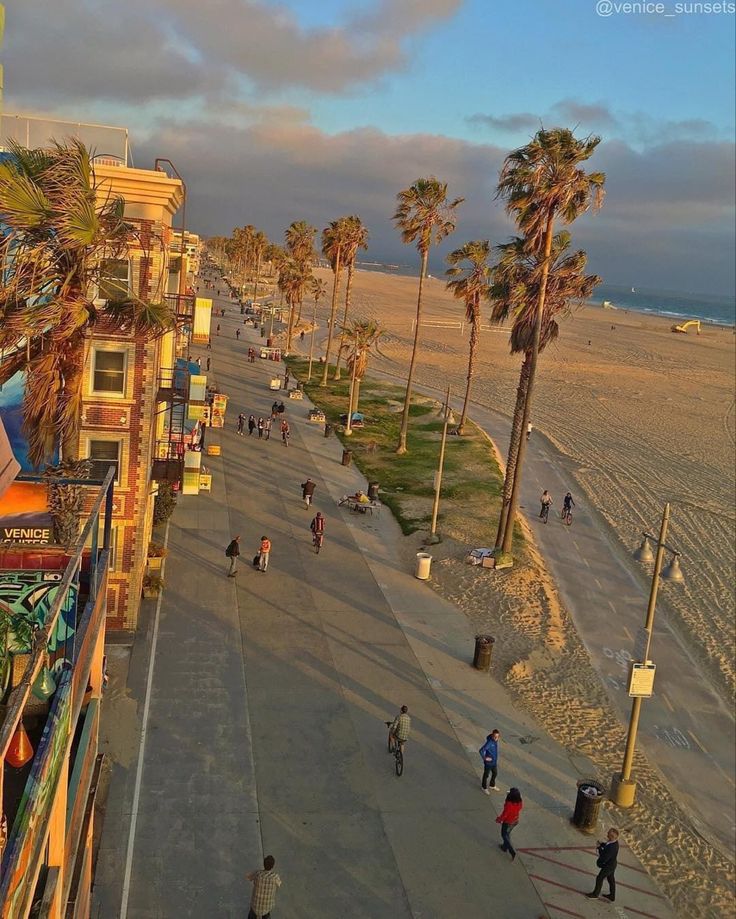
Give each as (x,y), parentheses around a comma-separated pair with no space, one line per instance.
(153,584)
(156,555)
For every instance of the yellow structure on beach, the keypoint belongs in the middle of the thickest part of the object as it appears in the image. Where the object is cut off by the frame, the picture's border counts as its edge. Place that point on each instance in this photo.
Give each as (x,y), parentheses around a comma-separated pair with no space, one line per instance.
(685,325)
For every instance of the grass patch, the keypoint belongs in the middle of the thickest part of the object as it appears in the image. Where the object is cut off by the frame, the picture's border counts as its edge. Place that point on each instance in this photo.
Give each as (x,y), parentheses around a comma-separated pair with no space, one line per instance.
(471,482)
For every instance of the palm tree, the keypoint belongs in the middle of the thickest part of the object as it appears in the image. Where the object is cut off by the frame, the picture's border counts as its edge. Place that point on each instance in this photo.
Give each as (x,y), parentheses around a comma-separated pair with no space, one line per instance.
(516,279)
(318,289)
(293,281)
(59,227)
(542,182)
(299,239)
(425,216)
(335,241)
(360,336)
(260,244)
(357,238)
(471,272)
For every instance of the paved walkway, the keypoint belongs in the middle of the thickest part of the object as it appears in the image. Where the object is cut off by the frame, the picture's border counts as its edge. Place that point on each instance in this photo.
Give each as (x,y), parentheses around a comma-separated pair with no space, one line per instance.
(263,730)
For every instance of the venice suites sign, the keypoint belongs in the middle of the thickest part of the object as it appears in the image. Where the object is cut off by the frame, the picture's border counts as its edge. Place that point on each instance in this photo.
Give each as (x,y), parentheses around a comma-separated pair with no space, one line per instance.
(28,536)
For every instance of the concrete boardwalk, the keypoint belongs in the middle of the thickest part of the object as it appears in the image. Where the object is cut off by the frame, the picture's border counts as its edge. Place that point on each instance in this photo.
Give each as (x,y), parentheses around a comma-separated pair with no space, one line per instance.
(262,713)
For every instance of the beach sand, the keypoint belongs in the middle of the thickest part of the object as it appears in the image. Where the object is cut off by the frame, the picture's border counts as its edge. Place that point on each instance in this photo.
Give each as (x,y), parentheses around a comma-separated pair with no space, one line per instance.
(645,416)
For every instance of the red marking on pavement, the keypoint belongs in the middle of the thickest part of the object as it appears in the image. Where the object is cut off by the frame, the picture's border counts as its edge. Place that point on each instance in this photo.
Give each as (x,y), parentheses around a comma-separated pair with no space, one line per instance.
(579,849)
(577,890)
(562,909)
(556,861)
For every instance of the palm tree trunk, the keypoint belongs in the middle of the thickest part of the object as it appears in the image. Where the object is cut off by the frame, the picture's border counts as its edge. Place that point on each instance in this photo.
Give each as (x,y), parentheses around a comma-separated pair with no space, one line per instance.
(514,500)
(333,310)
(471,363)
(356,395)
(258,271)
(349,425)
(348,285)
(290,330)
(516,435)
(311,340)
(401,448)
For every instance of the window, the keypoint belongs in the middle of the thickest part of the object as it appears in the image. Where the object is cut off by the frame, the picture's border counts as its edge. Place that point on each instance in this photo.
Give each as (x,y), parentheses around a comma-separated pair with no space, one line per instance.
(114,279)
(109,372)
(103,454)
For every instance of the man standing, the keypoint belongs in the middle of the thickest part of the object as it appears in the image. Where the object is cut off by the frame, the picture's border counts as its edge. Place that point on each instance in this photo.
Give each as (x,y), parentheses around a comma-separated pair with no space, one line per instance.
(264,553)
(241,423)
(489,755)
(232,552)
(308,492)
(265,884)
(607,861)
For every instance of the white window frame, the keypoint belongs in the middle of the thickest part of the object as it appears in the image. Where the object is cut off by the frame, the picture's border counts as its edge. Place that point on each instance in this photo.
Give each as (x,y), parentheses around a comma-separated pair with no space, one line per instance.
(107,393)
(107,440)
(100,300)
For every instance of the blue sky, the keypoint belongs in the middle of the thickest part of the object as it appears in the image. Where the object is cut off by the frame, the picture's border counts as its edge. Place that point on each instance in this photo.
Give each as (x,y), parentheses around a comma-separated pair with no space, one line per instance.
(308,109)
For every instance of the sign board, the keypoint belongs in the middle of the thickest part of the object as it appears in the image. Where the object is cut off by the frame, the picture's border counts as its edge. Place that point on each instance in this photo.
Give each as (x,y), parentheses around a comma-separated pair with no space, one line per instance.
(202,317)
(641,680)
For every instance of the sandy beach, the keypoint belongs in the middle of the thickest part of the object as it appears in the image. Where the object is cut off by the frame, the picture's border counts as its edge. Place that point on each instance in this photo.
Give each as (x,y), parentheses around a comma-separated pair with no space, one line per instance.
(644,414)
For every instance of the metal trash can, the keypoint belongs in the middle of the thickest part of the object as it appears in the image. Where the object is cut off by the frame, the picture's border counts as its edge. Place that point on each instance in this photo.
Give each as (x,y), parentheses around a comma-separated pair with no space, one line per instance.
(424,563)
(591,795)
(329,428)
(373,490)
(347,457)
(483,652)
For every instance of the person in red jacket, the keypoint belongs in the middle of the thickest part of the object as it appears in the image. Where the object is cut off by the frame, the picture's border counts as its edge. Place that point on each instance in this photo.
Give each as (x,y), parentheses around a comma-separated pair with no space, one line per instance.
(508,818)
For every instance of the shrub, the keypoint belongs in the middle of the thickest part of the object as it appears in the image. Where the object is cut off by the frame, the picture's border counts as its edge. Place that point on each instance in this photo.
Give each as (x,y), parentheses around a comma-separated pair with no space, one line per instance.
(164,504)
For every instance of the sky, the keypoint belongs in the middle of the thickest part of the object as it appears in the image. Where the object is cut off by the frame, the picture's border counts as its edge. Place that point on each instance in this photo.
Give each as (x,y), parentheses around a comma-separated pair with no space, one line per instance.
(311,109)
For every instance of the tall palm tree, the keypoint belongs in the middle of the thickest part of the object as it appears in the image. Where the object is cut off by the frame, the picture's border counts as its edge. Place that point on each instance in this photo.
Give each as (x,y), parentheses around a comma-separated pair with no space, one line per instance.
(470,270)
(299,239)
(357,238)
(543,182)
(318,288)
(425,216)
(515,282)
(260,244)
(360,337)
(335,241)
(293,280)
(58,228)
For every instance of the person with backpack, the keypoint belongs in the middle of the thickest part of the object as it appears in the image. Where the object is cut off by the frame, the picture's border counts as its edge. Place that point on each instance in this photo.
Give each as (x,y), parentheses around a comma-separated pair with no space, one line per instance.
(508,818)
(317,526)
(232,552)
(489,755)
(308,492)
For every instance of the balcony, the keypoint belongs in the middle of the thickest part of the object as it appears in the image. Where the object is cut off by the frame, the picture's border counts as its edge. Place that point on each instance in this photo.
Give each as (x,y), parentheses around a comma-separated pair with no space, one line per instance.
(181,306)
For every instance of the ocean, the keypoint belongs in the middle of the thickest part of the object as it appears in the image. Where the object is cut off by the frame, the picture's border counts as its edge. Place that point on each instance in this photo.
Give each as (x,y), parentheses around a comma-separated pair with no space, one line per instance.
(678,305)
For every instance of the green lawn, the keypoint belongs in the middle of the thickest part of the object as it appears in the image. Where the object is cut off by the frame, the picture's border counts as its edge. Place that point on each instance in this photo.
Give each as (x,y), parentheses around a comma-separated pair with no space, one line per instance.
(471,482)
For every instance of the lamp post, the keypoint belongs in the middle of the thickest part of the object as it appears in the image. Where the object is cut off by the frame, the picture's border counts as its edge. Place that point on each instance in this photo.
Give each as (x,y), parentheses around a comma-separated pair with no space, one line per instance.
(432,538)
(311,341)
(623,787)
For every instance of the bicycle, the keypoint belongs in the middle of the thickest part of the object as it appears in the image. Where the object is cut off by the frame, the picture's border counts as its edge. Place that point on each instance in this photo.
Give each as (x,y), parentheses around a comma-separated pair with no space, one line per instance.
(397,748)
(567,516)
(545,513)
(317,540)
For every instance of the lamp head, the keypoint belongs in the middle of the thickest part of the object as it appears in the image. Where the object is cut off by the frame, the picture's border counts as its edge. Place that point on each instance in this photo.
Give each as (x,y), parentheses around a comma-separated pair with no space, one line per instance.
(644,553)
(673,572)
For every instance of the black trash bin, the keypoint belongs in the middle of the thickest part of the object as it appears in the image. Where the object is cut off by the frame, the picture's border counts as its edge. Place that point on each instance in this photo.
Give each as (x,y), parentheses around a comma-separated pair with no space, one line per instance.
(329,428)
(347,457)
(591,795)
(373,491)
(483,652)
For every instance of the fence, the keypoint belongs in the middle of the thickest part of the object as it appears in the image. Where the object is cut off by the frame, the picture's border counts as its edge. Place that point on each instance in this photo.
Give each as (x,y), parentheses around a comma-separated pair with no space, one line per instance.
(108,144)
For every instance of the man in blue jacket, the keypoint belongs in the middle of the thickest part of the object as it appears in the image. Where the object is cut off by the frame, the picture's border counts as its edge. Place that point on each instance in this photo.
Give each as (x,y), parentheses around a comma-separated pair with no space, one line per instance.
(607,861)
(489,755)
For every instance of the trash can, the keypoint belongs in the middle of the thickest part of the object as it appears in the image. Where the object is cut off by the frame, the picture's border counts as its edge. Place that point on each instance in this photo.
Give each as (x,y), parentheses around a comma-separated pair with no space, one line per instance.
(268,342)
(347,457)
(373,490)
(483,652)
(588,804)
(329,428)
(424,563)
(263,332)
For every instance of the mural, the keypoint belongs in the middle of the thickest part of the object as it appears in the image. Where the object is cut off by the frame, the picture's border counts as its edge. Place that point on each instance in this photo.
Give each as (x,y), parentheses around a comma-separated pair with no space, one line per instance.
(28,595)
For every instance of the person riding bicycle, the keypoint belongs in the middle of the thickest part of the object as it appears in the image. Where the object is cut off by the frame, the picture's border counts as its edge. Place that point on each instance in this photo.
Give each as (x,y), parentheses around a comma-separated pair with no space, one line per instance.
(547,502)
(567,504)
(400,727)
(317,526)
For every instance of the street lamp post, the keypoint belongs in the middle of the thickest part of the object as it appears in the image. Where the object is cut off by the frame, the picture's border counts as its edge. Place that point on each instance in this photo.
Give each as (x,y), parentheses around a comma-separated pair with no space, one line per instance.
(438,475)
(311,341)
(623,787)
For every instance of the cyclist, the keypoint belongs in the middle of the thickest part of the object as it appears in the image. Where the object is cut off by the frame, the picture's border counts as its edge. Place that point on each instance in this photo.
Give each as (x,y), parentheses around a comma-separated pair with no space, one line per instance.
(567,505)
(400,728)
(317,526)
(547,502)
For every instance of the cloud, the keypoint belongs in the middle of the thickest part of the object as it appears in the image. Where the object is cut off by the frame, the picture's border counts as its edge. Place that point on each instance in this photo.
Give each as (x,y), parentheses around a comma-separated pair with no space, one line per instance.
(595,114)
(173,49)
(511,124)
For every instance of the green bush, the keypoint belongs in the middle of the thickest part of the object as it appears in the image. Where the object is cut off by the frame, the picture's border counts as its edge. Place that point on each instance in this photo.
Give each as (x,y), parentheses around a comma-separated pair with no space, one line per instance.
(164,504)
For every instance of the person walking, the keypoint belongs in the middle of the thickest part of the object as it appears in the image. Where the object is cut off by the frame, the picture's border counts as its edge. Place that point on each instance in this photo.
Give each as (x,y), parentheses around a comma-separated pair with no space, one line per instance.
(251,424)
(265,883)
(489,755)
(261,426)
(218,328)
(267,428)
(233,553)
(237,334)
(264,553)
(308,492)
(241,423)
(286,378)
(508,818)
(607,862)
(208,364)
(529,429)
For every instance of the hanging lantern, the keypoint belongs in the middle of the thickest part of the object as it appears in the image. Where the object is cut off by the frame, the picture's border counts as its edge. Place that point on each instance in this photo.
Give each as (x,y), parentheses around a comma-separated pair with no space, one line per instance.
(20,750)
(45,685)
